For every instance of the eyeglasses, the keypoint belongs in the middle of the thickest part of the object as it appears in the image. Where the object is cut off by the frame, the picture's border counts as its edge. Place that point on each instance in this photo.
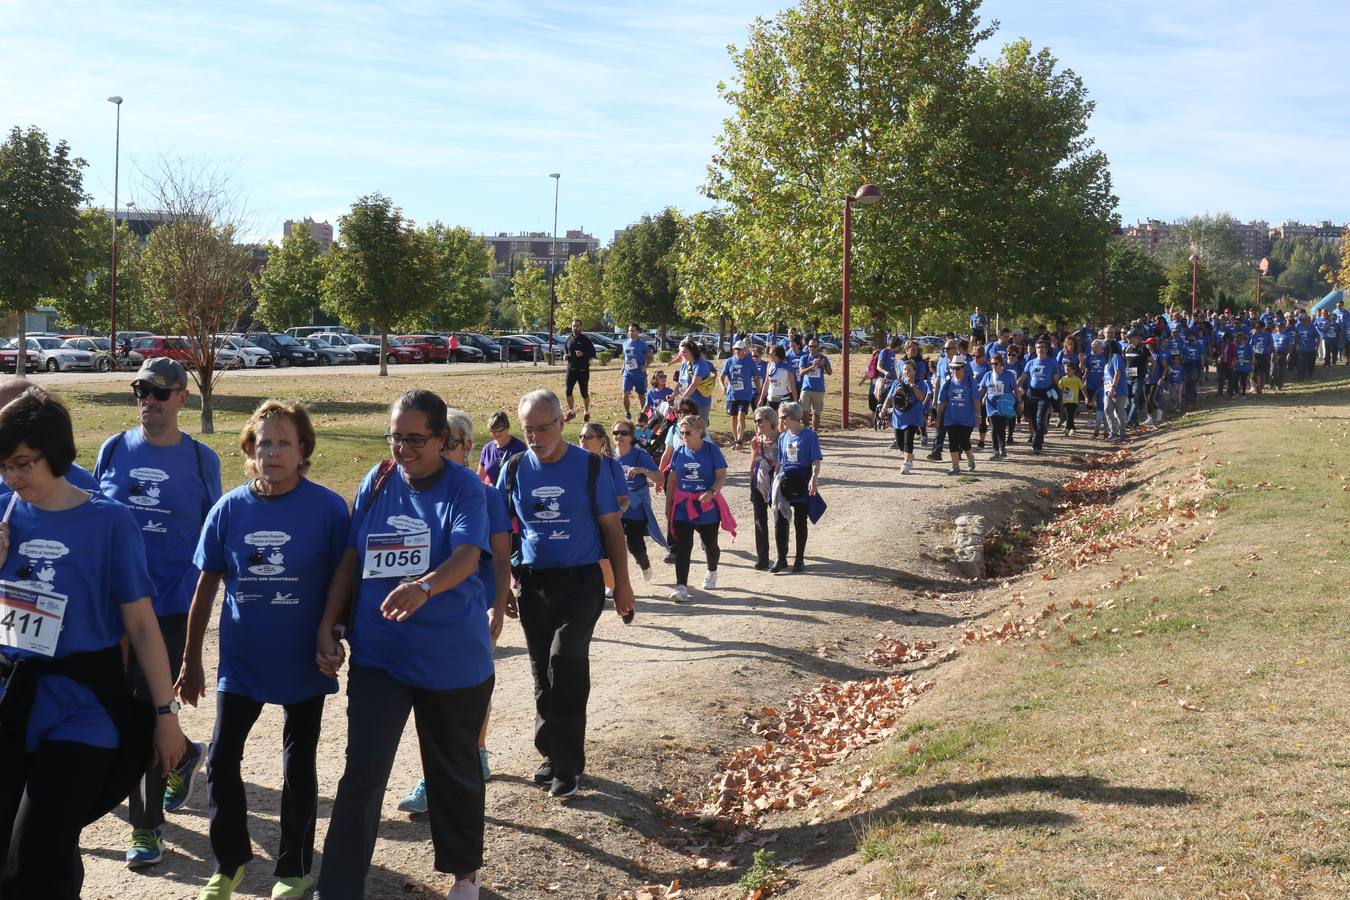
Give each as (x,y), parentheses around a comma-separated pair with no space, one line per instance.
(415,441)
(622,433)
(499,430)
(23,468)
(145,391)
(686,432)
(540,429)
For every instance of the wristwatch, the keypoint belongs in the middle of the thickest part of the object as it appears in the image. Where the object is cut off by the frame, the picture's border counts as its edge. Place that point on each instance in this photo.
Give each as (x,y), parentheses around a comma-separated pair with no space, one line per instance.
(425,586)
(170,710)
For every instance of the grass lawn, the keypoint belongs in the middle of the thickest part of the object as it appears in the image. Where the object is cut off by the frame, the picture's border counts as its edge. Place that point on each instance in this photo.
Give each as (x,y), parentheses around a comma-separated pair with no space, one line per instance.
(1199,743)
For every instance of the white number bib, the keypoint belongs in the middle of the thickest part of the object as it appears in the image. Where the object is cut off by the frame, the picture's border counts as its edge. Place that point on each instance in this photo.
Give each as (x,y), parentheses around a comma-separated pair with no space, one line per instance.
(632,364)
(30,619)
(995,388)
(397,555)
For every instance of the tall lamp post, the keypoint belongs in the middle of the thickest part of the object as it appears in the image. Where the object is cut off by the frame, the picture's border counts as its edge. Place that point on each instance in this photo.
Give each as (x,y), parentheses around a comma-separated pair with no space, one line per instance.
(117,152)
(1195,281)
(553,265)
(867,195)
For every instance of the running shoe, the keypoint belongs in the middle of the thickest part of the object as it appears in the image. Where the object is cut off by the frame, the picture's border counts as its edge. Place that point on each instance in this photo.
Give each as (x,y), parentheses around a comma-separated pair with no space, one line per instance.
(762,565)
(483,761)
(221,886)
(647,575)
(569,416)
(955,471)
(416,801)
(680,594)
(465,888)
(935,457)
(563,786)
(970,465)
(147,848)
(778,567)
(292,886)
(178,783)
(905,469)
(710,581)
(544,774)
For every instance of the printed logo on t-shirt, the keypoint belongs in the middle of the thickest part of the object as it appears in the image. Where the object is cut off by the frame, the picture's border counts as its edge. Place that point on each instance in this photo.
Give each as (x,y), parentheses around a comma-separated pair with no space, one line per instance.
(154,527)
(284,600)
(267,558)
(546,505)
(146,490)
(41,553)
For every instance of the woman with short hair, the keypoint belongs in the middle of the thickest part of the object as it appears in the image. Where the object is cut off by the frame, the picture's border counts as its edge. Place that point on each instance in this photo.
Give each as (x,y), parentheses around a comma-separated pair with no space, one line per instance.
(698,472)
(780,382)
(763,469)
(799,459)
(956,413)
(502,447)
(639,472)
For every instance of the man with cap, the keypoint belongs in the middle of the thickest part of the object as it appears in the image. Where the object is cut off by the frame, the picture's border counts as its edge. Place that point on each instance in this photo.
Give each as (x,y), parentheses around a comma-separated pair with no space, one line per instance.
(740,380)
(812,367)
(169,482)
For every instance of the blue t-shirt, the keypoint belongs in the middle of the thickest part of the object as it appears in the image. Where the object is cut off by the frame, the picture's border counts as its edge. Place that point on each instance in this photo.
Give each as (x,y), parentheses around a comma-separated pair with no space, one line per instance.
(277,555)
(1040,373)
(445,644)
(1307,337)
(960,399)
(797,452)
(886,362)
(1176,374)
(977,369)
(1242,358)
(696,471)
(979,320)
(77,475)
(1112,371)
(912,417)
(638,485)
(616,476)
(1261,343)
(655,397)
(169,490)
(740,376)
(93,556)
(499,522)
(815,379)
(635,352)
(1092,377)
(493,456)
(558,526)
(1283,341)
(691,372)
(994,385)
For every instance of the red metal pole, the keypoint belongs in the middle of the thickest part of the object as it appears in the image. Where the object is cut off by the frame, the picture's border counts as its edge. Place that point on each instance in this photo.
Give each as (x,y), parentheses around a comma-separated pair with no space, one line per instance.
(1195,263)
(848,346)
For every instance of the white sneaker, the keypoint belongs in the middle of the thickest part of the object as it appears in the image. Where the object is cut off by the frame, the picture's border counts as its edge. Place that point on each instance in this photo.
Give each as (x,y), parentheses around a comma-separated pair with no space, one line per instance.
(906,468)
(710,581)
(680,594)
(970,465)
(647,575)
(464,889)
(609,593)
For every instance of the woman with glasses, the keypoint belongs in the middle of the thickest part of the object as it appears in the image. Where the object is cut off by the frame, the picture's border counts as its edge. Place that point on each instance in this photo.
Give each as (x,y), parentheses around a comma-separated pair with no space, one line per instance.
(956,413)
(799,459)
(763,468)
(683,408)
(73,740)
(593,439)
(502,447)
(419,642)
(998,395)
(694,483)
(639,472)
(274,541)
(979,367)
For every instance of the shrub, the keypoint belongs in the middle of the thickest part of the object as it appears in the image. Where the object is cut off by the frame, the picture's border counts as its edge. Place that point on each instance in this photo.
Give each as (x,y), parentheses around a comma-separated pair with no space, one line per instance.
(605,357)
(665,356)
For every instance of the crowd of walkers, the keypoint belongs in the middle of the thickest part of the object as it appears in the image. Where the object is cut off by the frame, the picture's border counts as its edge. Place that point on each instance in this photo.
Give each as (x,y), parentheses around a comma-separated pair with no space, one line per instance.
(108,578)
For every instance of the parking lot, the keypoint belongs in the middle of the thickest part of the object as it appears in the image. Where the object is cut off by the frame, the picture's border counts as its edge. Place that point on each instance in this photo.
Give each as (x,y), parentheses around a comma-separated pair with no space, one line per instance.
(436,370)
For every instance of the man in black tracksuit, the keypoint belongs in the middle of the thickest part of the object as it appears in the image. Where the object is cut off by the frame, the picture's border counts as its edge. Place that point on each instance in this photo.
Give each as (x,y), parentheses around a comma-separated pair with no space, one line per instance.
(580,351)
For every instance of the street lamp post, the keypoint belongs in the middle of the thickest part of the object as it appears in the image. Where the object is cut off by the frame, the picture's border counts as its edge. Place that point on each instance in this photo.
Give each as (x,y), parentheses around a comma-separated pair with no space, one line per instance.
(117,152)
(867,195)
(1195,281)
(553,266)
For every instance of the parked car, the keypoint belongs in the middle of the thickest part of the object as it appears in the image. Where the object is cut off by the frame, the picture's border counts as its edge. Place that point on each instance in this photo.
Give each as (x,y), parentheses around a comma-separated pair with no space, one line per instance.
(491,350)
(99,346)
(250,355)
(285,350)
(397,353)
(559,339)
(520,347)
(304,331)
(461,352)
(9,358)
(331,353)
(366,352)
(433,347)
(604,342)
(55,355)
(143,348)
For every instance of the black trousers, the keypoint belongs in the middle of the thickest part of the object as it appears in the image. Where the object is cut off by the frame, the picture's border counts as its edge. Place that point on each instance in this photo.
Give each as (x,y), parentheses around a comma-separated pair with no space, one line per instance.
(1070,410)
(1277,373)
(684,547)
(1038,411)
(780,532)
(43,800)
(635,533)
(1002,428)
(761,507)
(558,614)
(145,805)
(904,439)
(235,716)
(578,378)
(447,734)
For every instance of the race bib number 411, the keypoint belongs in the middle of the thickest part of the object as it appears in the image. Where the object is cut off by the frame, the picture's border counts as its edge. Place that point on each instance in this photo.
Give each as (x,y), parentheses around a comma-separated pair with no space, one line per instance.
(30,619)
(397,555)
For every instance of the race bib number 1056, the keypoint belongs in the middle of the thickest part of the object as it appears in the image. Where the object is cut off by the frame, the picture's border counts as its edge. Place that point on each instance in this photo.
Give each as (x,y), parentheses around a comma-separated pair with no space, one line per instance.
(397,555)
(30,619)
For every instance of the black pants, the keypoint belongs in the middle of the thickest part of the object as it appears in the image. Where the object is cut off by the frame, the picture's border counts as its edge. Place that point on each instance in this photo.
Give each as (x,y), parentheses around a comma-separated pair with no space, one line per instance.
(904,439)
(1225,380)
(780,531)
(635,533)
(1038,411)
(684,547)
(761,507)
(447,733)
(1280,362)
(580,378)
(145,806)
(235,716)
(1307,361)
(1070,410)
(938,440)
(44,798)
(558,614)
(1190,394)
(1002,428)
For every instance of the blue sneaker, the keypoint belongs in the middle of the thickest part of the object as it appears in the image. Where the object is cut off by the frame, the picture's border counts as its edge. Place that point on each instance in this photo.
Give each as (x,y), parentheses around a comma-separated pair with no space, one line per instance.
(482,759)
(147,848)
(181,778)
(416,801)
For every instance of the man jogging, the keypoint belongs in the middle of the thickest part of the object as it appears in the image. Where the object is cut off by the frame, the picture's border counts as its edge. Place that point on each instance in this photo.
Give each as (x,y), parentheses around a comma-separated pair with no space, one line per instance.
(637,355)
(580,351)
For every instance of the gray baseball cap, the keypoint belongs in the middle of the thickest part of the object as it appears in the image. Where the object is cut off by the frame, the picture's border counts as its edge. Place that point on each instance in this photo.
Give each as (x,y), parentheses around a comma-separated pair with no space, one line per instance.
(162,372)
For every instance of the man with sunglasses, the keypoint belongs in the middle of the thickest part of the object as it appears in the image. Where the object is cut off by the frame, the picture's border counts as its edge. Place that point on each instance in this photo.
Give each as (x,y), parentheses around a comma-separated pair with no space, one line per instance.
(169,482)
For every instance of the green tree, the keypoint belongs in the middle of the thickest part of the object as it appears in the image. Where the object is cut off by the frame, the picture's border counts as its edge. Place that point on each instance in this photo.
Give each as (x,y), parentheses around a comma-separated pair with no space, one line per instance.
(1176,292)
(463,267)
(580,291)
(529,294)
(640,282)
(1340,275)
(288,288)
(85,301)
(1134,282)
(1212,237)
(41,189)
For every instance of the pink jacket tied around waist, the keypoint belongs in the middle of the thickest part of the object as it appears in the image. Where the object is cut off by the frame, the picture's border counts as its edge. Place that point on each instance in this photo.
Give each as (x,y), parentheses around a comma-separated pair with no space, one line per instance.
(693,508)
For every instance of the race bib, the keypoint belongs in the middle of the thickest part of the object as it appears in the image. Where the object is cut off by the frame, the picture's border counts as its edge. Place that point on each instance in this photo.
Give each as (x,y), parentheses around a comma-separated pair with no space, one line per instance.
(397,555)
(632,364)
(30,619)
(995,388)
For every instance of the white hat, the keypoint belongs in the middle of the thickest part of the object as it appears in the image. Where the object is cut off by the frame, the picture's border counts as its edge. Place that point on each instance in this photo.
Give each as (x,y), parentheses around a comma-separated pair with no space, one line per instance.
(742,344)
(957,360)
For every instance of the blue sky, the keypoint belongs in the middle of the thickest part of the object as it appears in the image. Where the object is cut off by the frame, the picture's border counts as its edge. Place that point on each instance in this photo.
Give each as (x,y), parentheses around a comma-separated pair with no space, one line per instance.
(459,109)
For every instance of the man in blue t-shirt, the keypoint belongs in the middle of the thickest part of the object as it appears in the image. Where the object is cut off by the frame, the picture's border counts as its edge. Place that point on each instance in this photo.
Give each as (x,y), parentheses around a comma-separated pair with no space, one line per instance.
(637,355)
(812,367)
(169,482)
(568,523)
(740,380)
(979,325)
(1307,338)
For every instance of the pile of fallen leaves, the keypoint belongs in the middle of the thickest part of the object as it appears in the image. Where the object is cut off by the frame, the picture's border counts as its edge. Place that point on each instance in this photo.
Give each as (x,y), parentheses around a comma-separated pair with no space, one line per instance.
(894,652)
(816,730)
(1010,630)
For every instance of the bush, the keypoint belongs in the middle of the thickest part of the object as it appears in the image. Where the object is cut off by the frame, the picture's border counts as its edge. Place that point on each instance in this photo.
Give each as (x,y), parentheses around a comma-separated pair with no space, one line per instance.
(665,356)
(829,351)
(605,357)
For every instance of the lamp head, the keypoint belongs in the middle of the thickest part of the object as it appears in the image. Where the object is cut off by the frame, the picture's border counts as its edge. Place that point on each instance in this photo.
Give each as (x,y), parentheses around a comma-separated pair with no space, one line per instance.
(555,175)
(115,100)
(868,194)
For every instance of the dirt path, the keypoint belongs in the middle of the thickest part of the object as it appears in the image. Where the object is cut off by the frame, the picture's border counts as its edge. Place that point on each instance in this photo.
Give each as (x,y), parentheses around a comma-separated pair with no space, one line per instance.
(668,696)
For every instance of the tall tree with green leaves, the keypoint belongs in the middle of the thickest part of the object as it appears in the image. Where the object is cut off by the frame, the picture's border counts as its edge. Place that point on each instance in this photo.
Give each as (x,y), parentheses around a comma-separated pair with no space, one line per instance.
(1340,273)
(289,287)
(381,269)
(529,294)
(1134,281)
(1213,238)
(85,300)
(1176,292)
(640,281)
(463,267)
(41,189)
(581,291)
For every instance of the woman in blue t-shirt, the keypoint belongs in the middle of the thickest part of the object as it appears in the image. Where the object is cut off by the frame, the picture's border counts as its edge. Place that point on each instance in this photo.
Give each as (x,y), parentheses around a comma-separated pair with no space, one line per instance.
(1115,391)
(998,394)
(594,439)
(694,483)
(638,471)
(956,412)
(73,584)
(274,540)
(907,405)
(799,459)
(419,642)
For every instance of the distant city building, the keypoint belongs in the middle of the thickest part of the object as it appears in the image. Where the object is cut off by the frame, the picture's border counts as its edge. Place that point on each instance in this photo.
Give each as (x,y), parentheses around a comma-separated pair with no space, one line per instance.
(143,221)
(1253,238)
(1149,234)
(322,232)
(1324,229)
(537,246)
(618,233)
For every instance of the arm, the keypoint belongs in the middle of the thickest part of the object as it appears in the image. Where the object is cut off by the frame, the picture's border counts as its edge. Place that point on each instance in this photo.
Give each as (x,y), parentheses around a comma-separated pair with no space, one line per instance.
(719,482)
(408,597)
(192,680)
(792,386)
(328,649)
(505,602)
(815,477)
(142,630)
(611,534)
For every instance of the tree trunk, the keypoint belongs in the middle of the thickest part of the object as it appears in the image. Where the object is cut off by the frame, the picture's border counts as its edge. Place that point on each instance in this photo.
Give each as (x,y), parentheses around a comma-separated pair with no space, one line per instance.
(207,390)
(21,360)
(384,349)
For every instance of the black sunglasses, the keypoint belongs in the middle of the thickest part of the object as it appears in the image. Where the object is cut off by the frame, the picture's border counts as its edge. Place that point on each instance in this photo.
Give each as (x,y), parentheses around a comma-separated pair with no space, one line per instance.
(145,392)
(623,434)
